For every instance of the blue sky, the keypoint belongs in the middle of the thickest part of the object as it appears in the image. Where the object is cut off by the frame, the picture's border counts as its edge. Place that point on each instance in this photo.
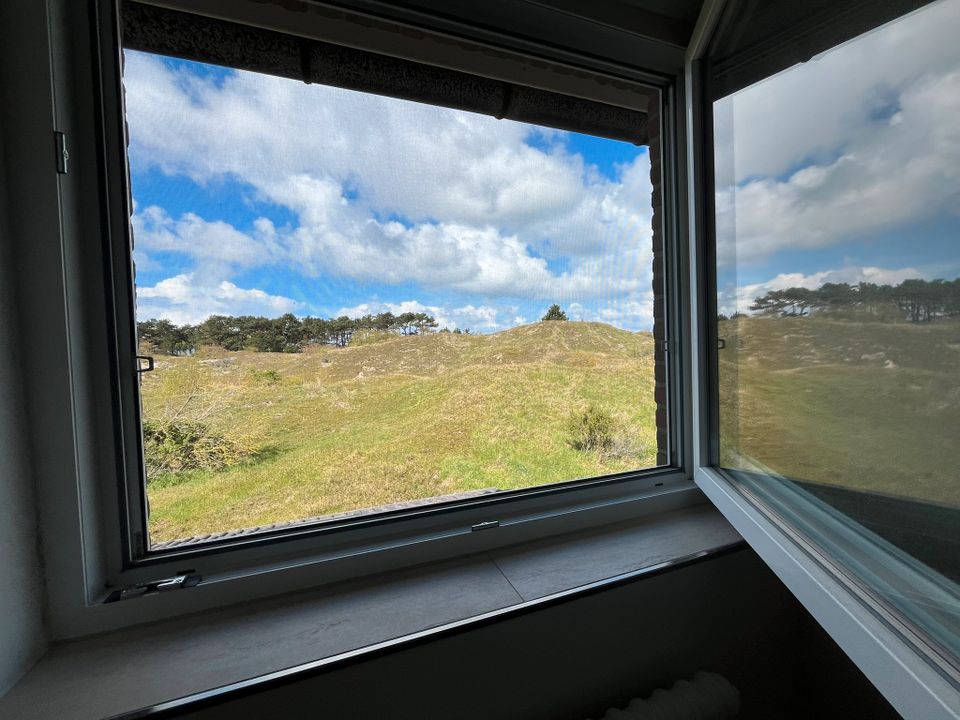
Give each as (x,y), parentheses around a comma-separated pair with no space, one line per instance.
(263,195)
(845,168)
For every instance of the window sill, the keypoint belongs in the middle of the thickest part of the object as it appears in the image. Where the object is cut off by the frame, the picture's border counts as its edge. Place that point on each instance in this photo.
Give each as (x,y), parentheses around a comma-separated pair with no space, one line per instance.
(172,661)
(262,571)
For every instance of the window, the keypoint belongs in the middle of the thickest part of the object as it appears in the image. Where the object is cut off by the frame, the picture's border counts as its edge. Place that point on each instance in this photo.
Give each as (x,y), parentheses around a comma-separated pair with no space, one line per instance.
(838,308)
(358,303)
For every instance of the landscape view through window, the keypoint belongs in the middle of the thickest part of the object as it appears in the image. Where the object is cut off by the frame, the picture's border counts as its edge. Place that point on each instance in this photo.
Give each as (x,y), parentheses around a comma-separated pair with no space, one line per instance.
(838,253)
(356,301)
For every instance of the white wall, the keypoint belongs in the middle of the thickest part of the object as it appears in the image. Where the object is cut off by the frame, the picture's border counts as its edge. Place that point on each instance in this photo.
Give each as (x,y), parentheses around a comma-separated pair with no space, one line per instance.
(21,590)
(22,638)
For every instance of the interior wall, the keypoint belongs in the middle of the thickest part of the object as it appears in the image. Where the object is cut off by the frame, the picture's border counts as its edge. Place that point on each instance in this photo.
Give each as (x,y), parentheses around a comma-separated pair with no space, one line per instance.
(571,661)
(21,590)
(24,143)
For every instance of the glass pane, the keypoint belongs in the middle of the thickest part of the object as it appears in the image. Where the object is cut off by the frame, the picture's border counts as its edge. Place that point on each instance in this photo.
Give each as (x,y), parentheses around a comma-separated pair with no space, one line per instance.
(838,276)
(357,302)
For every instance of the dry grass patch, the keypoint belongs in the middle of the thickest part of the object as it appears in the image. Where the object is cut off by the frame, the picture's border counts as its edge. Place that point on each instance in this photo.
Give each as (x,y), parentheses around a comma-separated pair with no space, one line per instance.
(401,419)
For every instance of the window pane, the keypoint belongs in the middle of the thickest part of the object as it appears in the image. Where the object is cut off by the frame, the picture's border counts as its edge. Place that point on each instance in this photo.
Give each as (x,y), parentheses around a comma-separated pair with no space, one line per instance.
(838,275)
(357,301)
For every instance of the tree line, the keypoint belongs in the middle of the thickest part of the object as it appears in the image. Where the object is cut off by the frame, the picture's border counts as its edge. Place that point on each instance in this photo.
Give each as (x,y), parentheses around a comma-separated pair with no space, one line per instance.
(287,333)
(915,300)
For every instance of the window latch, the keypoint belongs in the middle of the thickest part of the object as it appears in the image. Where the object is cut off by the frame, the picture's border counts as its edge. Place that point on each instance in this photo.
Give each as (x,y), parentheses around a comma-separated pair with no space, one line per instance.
(141,367)
(62,155)
(177,582)
(488,525)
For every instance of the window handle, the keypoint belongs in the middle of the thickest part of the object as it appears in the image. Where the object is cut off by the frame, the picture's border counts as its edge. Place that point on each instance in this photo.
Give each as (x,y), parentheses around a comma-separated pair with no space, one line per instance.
(141,368)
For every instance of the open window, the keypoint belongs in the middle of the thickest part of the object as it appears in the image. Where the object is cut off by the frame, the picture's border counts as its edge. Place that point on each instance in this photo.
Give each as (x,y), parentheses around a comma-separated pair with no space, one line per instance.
(358,287)
(834,334)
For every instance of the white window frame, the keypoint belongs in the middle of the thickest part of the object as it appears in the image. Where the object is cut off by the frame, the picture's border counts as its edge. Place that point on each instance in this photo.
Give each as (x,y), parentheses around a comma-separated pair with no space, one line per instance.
(886,647)
(81,520)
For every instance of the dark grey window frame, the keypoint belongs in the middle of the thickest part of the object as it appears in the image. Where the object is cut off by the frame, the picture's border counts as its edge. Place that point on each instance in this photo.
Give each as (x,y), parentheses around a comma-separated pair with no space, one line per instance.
(117,555)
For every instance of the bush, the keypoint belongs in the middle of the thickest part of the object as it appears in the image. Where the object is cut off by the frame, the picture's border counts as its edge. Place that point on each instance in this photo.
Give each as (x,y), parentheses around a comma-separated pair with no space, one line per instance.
(270,377)
(591,429)
(172,446)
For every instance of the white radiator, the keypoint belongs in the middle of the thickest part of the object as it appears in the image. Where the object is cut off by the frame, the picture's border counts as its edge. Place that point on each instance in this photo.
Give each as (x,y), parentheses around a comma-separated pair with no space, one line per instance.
(707,696)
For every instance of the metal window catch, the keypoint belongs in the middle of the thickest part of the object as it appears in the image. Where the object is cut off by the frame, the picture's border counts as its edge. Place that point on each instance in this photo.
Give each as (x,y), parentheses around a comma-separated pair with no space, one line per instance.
(721,343)
(62,155)
(488,525)
(177,582)
(141,368)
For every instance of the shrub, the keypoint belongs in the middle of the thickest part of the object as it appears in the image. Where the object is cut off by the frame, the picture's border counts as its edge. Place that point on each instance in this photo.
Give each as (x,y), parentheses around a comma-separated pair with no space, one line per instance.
(172,446)
(270,377)
(591,429)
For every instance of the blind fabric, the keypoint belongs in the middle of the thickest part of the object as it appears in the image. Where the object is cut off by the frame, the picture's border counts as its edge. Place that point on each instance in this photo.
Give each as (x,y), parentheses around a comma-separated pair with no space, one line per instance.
(759,38)
(210,40)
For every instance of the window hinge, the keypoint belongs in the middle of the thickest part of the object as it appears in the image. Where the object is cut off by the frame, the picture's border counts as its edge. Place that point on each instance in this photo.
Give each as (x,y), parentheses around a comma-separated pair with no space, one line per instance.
(62,155)
(177,582)
(665,345)
(144,363)
(489,524)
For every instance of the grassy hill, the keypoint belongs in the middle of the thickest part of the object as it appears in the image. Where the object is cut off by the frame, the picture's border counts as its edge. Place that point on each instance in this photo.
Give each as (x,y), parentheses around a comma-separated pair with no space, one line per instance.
(866,405)
(397,418)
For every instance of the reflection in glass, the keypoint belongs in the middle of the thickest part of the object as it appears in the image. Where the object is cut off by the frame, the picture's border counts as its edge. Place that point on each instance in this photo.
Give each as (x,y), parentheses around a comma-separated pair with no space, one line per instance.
(838,276)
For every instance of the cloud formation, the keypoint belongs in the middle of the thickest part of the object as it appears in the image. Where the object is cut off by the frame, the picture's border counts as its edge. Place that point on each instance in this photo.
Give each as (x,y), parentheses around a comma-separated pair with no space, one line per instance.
(863,140)
(484,318)
(386,191)
(183,299)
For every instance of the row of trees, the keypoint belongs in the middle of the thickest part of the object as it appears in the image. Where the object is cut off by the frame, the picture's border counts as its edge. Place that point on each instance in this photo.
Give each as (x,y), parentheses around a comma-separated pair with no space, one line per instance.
(287,333)
(914,300)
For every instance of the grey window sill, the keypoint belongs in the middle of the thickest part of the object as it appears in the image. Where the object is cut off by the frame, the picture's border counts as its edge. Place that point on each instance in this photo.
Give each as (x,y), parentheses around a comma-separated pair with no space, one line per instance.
(146,666)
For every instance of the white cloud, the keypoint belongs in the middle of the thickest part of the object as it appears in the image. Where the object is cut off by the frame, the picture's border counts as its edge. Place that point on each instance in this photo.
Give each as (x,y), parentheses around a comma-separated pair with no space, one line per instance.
(419,161)
(182,299)
(743,297)
(484,318)
(630,313)
(861,141)
(217,241)
(338,240)
(485,213)
(810,110)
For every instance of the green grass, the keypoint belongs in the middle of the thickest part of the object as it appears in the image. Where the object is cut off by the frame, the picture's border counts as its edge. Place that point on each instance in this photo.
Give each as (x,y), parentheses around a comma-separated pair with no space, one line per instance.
(397,418)
(866,405)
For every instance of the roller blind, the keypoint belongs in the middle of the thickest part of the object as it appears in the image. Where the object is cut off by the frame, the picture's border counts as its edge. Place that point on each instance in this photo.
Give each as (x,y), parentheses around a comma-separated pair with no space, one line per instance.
(214,40)
(759,38)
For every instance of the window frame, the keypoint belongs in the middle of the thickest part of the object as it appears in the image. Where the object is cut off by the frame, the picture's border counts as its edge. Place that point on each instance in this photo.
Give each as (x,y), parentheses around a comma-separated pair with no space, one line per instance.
(128,423)
(72,438)
(104,556)
(905,664)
